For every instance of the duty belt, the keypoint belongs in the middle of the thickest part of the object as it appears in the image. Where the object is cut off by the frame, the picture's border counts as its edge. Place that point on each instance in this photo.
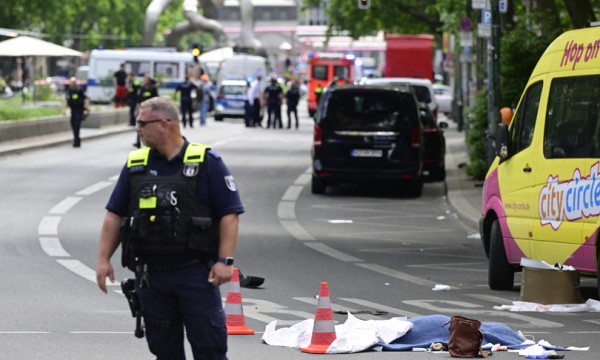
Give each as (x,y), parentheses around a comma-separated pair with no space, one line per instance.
(167,267)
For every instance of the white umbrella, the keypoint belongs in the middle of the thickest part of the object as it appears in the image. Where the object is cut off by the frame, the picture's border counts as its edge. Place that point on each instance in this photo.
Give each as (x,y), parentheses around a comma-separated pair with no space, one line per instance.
(28,46)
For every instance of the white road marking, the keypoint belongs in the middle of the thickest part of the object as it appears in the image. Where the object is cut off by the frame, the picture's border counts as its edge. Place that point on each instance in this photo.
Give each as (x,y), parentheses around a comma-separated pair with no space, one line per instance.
(286,210)
(292,193)
(94,188)
(397,274)
(49,225)
(52,247)
(83,270)
(296,230)
(62,207)
(331,252)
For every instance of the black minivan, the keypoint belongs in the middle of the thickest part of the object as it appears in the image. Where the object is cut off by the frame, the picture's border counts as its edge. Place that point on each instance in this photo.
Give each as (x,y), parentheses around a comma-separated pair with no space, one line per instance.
(365,134)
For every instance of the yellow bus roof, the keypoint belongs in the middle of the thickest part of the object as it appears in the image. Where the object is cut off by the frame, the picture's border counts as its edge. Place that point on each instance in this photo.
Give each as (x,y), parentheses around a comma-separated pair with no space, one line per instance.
(571,51)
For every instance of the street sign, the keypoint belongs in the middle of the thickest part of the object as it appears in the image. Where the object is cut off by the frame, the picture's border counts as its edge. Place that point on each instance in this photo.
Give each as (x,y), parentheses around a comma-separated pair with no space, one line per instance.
(466,24)
(466,39)
(503,6)
(486,17)
(484,30)
(478,4)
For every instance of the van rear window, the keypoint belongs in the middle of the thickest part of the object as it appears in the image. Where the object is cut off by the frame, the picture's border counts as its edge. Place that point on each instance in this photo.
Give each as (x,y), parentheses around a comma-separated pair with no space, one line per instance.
(572,127)
(370,110)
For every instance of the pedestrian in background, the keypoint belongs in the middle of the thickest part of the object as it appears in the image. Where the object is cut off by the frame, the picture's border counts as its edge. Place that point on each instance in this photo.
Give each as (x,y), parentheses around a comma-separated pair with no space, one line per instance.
(204,87)
(273,98)
(185,92)
(148,91)
(318,93)
(292,97)
(120,84)
(256,96)
(248,110)
(77,101)
(178,272)
(133,93)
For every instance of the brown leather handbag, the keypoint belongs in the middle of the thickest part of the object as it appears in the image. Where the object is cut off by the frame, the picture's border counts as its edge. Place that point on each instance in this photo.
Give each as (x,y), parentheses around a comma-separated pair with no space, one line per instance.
(465,337)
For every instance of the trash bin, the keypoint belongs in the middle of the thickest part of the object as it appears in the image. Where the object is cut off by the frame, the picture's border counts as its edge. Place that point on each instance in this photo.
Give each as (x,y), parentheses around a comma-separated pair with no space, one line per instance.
(546,287)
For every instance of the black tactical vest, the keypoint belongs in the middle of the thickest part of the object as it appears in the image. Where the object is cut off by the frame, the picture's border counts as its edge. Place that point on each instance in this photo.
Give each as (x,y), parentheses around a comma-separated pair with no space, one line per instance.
(165,215)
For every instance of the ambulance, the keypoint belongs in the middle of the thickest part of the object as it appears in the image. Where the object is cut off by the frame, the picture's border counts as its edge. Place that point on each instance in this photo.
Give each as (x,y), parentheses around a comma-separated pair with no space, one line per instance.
(541,196)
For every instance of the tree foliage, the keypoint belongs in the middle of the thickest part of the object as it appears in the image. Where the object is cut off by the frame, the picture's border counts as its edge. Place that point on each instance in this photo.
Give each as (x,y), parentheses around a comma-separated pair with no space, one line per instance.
(88,24)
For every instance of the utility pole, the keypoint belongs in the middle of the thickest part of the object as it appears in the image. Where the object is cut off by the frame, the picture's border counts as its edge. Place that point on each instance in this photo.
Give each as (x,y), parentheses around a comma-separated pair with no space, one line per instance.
(493,82)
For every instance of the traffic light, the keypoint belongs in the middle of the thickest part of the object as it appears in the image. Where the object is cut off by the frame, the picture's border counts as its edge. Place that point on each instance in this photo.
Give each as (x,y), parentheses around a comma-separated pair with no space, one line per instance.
(196,53)
(364,4)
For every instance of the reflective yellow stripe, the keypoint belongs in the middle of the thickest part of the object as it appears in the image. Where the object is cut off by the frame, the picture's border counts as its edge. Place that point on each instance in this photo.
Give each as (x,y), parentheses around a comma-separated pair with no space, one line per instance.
(148,203)
(195,153)
(138,157)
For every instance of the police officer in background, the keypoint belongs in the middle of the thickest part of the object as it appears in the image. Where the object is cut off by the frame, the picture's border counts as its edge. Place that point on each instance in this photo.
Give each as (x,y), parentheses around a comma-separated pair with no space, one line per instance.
(148,90)
(185,100)
(76,100)
(175,211)
(133,93)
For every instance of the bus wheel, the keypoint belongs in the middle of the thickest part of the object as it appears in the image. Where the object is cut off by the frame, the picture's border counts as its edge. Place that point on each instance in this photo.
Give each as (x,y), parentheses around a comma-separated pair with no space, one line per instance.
(501,275)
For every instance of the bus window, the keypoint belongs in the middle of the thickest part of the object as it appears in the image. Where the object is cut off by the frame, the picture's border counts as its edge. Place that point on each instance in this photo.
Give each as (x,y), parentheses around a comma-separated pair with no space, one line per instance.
(139,68)
(319,72)
(105,69)
(166,70)
(341,72)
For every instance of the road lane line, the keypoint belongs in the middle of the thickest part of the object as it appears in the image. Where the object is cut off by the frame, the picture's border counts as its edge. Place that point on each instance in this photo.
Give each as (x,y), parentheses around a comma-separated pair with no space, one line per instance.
(397,274)
(94,188)
(292,193)
(49,225)
(83,270)
(52,247)
(331,252)
(62,207)
(286,210)
(296,230)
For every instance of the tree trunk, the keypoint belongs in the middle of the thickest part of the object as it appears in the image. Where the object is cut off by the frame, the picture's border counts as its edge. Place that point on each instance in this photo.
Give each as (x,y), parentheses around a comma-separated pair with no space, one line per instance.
(580,12)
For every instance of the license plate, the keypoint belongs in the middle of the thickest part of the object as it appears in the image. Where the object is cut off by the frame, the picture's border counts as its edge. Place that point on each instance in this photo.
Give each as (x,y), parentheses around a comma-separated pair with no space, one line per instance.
(236,104)
(367,153)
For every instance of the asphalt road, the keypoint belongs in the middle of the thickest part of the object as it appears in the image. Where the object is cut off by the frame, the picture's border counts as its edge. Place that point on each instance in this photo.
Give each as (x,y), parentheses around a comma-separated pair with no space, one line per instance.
(378,251)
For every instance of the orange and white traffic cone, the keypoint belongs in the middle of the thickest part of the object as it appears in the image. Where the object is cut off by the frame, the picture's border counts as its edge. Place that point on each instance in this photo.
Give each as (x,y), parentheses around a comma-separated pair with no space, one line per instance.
(324,329)
(234,312)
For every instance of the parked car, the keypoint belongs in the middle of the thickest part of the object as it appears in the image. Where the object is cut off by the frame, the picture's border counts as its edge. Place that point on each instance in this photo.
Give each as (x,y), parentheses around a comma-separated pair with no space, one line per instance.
(367,134)
(444,97)
(434,145)
(230,100)
(423,89)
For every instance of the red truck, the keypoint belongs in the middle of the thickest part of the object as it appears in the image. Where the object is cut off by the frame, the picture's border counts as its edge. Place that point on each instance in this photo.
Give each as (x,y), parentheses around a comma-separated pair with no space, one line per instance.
(409,56)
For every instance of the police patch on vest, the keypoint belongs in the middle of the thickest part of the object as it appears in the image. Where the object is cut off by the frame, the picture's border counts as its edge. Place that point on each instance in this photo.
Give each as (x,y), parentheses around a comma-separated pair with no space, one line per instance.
(191,169)
(230,183)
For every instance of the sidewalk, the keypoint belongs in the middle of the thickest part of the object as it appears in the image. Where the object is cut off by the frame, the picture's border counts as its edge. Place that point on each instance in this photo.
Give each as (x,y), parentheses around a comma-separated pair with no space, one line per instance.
(463,193)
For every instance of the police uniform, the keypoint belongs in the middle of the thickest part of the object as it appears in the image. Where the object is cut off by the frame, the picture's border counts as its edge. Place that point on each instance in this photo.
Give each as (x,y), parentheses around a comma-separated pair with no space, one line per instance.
(187,111)
(147,91)
(133,93)
(76,102)
(170,212)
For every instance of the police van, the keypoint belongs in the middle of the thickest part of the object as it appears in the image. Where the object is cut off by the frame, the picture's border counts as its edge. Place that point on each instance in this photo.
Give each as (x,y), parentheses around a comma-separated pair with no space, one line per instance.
(541,197)
(167,67)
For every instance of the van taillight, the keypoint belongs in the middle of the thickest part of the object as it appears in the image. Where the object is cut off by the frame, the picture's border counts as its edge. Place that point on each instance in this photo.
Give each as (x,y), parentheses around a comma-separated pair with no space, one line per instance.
(416,138)
(317,135)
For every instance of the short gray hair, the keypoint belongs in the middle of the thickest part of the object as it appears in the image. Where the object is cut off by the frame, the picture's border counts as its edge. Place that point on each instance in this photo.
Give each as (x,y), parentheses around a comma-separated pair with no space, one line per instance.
(162,106)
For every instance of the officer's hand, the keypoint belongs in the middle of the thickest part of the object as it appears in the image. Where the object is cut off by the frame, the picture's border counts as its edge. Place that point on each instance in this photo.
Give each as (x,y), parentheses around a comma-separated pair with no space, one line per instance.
(220,274)
(104,270)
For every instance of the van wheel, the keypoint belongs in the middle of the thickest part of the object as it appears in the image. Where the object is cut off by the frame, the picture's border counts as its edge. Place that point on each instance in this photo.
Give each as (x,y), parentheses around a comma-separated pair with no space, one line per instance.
(218,118)
(501,275)
(318,185)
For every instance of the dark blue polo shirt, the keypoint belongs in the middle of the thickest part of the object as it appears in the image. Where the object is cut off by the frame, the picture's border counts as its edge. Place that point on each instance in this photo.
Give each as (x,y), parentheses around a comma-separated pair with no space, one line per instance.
(216,188)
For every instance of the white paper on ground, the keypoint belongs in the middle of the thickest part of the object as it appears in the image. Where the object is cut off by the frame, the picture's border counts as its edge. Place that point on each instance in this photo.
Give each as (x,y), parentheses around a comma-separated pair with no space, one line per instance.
(589,305)
(354,335)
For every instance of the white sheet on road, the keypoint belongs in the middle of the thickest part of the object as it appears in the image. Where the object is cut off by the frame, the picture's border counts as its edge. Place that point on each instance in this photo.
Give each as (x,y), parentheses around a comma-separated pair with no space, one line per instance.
(354,335)
(590,305)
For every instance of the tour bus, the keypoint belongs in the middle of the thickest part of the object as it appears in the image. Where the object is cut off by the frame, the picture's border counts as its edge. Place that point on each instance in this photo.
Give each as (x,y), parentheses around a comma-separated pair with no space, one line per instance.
(323,68)
(541,196)
(167,67)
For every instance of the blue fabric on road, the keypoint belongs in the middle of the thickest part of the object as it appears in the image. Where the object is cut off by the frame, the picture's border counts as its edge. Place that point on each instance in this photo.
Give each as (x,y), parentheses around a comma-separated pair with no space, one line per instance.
(429,329)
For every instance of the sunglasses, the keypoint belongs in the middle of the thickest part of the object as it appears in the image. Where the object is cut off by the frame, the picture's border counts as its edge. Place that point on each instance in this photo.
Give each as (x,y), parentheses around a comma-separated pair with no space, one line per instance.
(142,124)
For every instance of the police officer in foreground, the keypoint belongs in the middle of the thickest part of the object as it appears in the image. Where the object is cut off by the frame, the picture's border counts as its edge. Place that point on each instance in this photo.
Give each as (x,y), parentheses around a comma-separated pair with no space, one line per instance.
(174,210)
